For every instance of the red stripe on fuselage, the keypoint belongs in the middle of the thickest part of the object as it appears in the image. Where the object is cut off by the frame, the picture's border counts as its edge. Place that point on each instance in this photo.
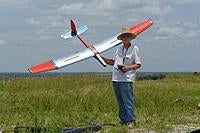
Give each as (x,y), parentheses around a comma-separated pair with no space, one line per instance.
(71,58)
(113,41)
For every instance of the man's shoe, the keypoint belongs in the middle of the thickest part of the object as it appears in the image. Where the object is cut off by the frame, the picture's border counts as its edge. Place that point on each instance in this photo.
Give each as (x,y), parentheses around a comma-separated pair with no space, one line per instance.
(130,124)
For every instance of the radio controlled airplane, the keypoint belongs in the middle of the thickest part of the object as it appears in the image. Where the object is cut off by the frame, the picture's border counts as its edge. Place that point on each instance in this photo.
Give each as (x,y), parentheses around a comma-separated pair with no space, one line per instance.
(90,51)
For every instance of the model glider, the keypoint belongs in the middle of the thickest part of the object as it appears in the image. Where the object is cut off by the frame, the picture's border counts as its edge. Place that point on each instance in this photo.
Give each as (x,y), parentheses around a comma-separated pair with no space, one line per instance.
(90,51)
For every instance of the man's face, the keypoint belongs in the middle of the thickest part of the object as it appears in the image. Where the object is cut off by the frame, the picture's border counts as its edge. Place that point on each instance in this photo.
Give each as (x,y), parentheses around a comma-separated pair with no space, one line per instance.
(126,38)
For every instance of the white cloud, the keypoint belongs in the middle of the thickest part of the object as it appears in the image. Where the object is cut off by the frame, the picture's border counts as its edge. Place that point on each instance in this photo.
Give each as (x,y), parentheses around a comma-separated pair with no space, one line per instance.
(14,4)
(108,8)
(157,38)
(179,32)
(48,27)
(2,42)
(192,34)
(32,21)
(85,9)
(111,13)
(190,25)
(171,31)
(157,10)
(187,1)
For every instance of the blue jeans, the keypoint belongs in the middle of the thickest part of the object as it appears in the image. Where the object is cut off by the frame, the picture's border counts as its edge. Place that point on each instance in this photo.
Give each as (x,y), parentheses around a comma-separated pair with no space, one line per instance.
(125,100)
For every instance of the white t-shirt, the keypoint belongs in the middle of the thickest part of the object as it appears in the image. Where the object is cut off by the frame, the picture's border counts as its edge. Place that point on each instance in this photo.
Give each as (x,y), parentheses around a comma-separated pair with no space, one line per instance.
(125,56)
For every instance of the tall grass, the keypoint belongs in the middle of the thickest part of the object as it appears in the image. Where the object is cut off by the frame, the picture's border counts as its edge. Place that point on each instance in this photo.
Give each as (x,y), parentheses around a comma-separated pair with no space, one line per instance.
(71,101)
(170,101)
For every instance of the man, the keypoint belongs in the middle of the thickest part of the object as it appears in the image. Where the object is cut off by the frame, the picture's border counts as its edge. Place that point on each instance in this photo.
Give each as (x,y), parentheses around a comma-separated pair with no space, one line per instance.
(125,63)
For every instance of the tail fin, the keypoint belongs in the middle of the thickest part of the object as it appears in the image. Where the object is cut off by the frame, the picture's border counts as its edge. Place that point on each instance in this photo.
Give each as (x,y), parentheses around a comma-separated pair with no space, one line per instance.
(74,31)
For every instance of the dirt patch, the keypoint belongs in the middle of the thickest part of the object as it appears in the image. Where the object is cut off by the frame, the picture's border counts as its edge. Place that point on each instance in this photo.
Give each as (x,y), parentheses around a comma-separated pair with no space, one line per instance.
(175,129)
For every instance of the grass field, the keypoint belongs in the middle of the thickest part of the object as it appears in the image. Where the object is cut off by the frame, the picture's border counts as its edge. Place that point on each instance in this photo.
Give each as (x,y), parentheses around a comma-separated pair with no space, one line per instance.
(72,101)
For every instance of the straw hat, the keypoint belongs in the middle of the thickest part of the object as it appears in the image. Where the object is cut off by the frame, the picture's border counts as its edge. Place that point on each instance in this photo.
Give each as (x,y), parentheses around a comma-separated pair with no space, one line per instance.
(126,31)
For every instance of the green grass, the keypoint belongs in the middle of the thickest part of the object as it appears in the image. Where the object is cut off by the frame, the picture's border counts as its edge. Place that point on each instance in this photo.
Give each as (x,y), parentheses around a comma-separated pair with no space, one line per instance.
(71,101)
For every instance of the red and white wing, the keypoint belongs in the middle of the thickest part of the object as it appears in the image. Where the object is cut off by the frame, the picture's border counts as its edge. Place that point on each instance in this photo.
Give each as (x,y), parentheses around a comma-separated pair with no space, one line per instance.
(61,62)
(112,42)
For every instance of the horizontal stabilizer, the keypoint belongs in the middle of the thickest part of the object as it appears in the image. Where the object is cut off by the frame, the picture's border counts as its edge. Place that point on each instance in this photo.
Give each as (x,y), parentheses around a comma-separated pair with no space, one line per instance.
(79,32)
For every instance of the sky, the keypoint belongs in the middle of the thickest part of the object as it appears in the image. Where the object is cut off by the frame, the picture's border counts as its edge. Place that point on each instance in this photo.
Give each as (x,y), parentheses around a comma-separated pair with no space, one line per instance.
(30,32)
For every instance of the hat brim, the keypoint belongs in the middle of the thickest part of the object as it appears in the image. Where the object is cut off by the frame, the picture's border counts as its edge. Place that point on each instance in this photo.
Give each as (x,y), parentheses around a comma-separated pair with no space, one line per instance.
(119,37)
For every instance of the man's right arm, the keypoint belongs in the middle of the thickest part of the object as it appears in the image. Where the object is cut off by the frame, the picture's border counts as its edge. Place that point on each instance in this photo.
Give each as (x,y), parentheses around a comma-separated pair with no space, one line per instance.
(108,61)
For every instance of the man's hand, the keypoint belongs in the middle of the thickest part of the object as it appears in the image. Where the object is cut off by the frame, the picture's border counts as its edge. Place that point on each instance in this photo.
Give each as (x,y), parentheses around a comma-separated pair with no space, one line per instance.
(129,68)
(125,69)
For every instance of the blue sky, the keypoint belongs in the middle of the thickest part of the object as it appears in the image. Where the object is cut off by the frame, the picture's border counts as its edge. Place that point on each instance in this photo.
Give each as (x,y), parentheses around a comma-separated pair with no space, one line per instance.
(30,32)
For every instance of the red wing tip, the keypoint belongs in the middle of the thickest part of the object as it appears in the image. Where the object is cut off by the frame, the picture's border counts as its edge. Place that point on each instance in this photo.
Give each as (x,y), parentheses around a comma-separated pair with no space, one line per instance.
(29,69)
(46,66)
(150,20)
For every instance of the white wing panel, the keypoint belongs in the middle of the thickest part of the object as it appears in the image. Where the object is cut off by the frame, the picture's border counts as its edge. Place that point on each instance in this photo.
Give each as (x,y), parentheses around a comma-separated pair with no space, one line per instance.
(73,58)
(108,44)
